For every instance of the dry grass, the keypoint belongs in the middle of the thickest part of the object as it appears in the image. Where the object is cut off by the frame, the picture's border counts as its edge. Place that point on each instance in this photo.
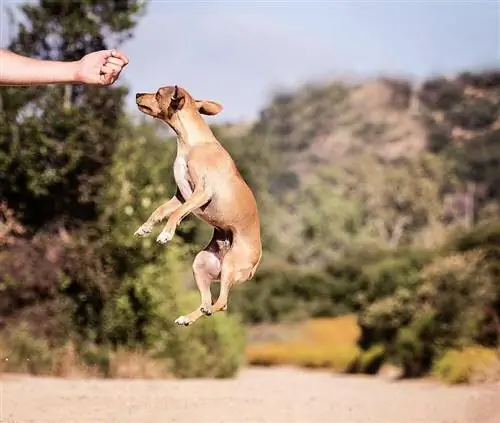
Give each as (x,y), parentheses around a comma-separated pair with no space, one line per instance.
(21,353)
(67,363)
(317,343)
(469,365)
(127,364)
(342,330)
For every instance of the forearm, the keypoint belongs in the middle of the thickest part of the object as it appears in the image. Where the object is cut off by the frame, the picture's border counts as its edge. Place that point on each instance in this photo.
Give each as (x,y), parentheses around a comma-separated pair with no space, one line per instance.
(20,70)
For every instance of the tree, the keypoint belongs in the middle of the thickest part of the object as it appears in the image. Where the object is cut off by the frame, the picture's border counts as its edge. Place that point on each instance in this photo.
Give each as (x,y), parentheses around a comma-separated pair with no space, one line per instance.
(55,145)
(55,141)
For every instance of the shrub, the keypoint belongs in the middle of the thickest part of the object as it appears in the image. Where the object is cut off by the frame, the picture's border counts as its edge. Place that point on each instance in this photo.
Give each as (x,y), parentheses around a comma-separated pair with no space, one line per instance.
(214,347)
(486,79)
(96,358)
(136,364)
(282,292)
(370,361)
(446,309)
(456,290)
(474,115)
(381,320)
(68,363)
(414,354)
(368,277)
(440,93)
(23,353)
(472,364)
(30,280)
(141,316)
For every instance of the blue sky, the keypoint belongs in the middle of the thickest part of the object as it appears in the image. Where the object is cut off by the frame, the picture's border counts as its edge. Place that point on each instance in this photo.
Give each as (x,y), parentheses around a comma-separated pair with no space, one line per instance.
(240,52)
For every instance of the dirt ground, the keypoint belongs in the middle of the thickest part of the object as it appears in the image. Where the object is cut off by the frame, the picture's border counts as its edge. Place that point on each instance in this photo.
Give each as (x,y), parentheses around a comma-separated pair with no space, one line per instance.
(258,395)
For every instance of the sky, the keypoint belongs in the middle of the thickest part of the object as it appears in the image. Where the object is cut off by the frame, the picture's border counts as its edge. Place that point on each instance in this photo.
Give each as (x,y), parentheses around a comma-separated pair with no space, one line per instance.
(240,52)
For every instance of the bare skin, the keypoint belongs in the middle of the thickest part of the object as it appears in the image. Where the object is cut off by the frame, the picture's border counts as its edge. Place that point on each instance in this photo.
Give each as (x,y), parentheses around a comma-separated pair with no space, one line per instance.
(210,187)
(97,68)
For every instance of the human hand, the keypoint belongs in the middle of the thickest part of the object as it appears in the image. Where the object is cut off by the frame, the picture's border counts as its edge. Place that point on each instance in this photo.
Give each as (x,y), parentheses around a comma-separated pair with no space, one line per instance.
(100,67)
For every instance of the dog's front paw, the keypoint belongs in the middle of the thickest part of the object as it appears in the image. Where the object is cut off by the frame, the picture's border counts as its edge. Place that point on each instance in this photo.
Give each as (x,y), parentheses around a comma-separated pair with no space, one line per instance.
(143,230)
(206,309)
(165,236)
(183,321)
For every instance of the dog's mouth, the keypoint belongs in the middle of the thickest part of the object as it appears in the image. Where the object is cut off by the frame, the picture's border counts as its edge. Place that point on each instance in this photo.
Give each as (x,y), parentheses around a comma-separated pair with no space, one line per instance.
(145,109)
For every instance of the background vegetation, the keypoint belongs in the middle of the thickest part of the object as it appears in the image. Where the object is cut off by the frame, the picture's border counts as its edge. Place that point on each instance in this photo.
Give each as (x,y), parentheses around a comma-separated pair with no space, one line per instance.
(379,203)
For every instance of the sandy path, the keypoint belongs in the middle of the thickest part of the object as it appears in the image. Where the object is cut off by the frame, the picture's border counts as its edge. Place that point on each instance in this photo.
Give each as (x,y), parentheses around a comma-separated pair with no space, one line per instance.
(257,395)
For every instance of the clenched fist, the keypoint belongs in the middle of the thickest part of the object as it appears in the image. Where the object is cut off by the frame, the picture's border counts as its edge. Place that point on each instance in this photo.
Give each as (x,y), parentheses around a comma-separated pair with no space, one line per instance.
(100,67)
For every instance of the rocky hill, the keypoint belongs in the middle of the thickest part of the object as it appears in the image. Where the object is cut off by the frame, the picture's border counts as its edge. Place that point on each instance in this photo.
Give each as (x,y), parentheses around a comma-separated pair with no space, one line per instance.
(390,118)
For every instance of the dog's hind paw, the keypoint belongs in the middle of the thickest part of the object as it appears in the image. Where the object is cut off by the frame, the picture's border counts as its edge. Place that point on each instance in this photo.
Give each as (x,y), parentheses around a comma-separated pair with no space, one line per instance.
(143,230)
(183,321)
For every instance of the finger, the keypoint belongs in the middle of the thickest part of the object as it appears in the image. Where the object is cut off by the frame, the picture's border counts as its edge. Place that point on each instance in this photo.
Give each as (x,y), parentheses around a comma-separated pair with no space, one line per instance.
(105,54)
(110,68)
(116,61)
(107,79)
(119,55)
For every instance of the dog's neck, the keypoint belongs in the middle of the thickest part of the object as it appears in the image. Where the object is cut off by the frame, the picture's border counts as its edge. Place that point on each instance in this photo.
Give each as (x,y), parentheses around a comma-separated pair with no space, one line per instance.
(191,129)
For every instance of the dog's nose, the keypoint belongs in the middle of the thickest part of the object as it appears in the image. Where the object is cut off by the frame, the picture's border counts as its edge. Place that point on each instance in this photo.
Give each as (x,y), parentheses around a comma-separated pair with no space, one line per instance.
(137,95)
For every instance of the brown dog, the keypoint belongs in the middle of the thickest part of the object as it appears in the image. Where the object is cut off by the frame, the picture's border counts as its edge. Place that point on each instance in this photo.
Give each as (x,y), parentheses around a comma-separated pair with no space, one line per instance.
(210,186)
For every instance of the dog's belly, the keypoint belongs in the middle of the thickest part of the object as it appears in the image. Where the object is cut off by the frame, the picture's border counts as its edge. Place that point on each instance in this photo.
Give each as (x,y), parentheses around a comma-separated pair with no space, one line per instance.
(211,217)
(181,176)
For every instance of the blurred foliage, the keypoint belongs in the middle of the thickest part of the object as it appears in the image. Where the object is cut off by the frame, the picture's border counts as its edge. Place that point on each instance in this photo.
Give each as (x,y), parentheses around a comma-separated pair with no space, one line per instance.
(56,141)
(452,306)
(77,179)
(379,198)
(328,343)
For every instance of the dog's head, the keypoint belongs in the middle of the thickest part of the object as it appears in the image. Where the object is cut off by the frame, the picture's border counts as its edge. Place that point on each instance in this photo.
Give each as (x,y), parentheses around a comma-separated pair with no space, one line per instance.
(168,101)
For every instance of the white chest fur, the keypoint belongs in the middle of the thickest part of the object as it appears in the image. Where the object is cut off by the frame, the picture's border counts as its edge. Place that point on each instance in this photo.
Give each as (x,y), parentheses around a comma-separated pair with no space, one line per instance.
(181,176)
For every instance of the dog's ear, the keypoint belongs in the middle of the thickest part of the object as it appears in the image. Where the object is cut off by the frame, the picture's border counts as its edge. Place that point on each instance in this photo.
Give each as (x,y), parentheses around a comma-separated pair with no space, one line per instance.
(178,99)
(207,107)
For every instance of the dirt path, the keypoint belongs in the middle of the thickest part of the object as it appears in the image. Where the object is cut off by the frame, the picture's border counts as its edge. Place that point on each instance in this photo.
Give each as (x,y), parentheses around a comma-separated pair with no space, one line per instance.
(257,395)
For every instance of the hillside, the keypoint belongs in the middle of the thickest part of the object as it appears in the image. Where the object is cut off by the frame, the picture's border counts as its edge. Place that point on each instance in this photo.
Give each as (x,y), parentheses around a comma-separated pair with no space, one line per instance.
(390,118)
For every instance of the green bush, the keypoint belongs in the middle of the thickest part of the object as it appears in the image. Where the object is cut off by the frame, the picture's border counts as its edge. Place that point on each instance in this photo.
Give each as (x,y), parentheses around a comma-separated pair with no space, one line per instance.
(413,353)
(447,308)
(97,358)
(441,93)
(143,311)
(370,361)
(474,115)
(457,289)
(214,347)
(281,291)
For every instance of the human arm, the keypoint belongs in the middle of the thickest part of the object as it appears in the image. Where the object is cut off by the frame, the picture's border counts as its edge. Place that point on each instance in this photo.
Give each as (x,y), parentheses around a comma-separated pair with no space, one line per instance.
(97,68)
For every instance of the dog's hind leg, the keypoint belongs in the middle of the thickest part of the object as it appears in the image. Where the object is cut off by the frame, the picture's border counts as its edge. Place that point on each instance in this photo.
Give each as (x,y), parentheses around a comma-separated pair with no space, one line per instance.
(206,268)
(236,269)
